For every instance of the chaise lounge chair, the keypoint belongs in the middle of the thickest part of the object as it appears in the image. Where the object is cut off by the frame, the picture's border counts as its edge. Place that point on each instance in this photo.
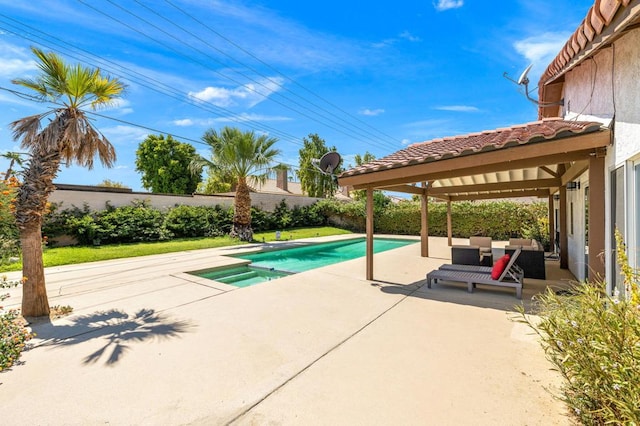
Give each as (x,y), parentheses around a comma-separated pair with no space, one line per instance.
(512,276)
(482,269)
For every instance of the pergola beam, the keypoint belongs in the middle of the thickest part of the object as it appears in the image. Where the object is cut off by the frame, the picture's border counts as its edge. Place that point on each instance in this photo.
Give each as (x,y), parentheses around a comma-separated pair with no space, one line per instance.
(501,186)
(576,169)
(444,170)
(537,154)
(540,193)
(409,189)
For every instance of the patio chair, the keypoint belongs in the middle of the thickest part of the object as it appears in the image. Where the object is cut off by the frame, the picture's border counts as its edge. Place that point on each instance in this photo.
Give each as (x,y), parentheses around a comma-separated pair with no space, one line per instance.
(512,276)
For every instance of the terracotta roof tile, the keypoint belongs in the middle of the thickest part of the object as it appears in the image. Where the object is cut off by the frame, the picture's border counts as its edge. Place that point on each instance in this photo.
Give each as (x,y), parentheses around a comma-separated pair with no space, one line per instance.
(599,16)
(442,148)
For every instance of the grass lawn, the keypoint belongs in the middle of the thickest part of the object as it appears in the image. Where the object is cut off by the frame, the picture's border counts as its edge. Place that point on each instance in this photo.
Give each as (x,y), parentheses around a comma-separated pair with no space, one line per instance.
(70,255)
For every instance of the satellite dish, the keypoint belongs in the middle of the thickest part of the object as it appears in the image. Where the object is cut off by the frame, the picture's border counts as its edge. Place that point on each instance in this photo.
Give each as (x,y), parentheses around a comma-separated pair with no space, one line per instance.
(328,163)
(524,81)
(523,77)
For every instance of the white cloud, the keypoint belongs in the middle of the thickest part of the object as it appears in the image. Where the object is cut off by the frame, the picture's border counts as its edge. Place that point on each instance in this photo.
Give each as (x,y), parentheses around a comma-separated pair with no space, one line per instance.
(540,50)
(408,36)
(250,94)
(448,4)
(124,135)
(405,142)
(15,61)
(371,112)
(185,122)
(405,35)
(239,118)
(458,108)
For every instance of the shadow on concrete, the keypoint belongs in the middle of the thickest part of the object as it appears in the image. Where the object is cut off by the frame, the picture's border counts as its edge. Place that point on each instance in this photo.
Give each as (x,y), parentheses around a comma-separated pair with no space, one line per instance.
(117,329)
(483,296)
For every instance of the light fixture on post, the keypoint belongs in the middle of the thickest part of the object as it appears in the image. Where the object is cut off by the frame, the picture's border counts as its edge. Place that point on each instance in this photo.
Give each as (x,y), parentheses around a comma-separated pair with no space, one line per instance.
(556,197)
(572,186)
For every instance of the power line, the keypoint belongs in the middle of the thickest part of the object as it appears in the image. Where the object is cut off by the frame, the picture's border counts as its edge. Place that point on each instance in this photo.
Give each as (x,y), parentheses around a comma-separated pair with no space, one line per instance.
(142,79)
(237,46)
(149,23)
(239,62)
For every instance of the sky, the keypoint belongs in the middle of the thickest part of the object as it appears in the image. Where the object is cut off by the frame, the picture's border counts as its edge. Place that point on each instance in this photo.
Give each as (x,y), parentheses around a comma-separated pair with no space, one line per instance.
(364,76)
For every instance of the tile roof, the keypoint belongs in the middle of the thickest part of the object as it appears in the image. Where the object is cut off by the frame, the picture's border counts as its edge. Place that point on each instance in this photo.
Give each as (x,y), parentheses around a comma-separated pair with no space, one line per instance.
(599,17)
(488,140)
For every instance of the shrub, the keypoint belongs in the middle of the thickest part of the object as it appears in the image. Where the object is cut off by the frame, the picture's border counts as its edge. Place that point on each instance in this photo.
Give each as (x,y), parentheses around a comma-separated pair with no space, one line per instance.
(9,235)
(188,221)
(131,224)
(56,221)
(594,342)
(13,334)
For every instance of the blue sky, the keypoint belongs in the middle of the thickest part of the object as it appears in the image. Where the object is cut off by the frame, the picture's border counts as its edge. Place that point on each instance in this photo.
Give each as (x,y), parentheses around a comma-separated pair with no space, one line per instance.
(365,76)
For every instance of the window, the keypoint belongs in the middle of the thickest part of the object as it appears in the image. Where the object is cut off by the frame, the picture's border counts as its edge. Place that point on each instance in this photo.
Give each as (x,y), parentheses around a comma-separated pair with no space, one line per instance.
(617,222)
(571,219)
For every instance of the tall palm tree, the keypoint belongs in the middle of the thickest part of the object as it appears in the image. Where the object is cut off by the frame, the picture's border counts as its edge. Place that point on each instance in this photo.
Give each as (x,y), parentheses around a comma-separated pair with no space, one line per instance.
(68,137)
(245,157)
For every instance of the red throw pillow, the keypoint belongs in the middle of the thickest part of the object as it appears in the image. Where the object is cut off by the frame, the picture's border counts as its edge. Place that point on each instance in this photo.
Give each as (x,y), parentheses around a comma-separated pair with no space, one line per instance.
(498,267)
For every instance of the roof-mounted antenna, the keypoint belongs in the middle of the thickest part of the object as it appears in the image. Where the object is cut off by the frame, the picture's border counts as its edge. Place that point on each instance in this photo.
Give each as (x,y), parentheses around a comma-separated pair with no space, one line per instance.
(524,81)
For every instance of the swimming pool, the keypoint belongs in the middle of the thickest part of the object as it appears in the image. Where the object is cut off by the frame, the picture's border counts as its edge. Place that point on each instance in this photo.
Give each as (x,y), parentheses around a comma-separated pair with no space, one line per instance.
(274,264)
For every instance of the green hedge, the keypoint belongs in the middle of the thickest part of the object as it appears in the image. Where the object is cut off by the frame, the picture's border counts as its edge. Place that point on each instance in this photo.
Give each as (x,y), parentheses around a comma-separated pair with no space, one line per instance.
(140,222)
(497,219)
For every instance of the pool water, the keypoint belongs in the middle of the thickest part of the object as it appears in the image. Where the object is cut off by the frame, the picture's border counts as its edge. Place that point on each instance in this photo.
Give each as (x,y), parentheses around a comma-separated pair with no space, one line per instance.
(275,264)
(300,259)
(243,276)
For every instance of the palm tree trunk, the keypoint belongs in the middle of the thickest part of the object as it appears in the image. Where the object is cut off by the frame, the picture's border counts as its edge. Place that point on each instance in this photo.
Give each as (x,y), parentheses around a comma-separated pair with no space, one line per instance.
(242,212)
(34,293)
(31,202)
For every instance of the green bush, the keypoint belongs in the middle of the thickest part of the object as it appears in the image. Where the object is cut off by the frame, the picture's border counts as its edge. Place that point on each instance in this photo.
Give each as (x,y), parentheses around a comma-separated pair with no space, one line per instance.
(9,235)
(188,221)
(497,219)
(131,224)
(593,340)
(13,334)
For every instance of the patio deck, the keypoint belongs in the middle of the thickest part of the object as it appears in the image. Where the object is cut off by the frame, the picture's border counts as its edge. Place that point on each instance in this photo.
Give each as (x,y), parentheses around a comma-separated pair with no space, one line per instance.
(148,344)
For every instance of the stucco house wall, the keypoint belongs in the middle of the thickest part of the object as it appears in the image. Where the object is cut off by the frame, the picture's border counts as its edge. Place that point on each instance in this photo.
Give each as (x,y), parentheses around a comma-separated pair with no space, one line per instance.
(602,87)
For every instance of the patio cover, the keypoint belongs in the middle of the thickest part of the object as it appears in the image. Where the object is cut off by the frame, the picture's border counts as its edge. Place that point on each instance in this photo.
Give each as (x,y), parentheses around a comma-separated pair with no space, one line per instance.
(534,159)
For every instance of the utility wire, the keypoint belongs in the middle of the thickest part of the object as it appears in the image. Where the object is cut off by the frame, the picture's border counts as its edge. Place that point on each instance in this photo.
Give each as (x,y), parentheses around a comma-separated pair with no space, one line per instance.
(237,61)
(142,79)
(178,52)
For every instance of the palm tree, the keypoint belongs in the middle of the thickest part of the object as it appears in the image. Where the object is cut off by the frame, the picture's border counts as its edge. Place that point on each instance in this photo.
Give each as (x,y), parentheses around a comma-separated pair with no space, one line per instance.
(14,158)
(244,157)
(69,137)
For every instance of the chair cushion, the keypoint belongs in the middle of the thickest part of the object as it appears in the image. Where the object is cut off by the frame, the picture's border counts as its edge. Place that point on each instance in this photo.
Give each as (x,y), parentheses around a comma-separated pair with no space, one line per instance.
(498,267)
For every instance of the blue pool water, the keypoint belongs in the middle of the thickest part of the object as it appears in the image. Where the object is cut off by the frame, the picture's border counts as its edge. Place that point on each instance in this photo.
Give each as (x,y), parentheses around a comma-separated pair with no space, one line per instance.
(300,259)
(274,264)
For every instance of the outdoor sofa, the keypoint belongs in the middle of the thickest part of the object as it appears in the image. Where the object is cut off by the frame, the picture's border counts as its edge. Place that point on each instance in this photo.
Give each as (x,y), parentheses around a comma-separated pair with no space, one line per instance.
(531,260)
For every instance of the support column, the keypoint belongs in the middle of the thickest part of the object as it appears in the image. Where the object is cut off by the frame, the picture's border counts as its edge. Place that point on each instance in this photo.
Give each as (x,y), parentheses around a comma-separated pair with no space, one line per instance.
(369,226)
(449,226)
(596,217)
(552,225)
(424,229)
(562,222)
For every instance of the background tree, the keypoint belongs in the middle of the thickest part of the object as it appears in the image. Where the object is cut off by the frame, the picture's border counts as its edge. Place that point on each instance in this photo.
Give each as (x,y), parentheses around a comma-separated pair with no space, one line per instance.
(245,157)
(108,183)
(69,137)
(164,164)
(314,183)
(15,158)
(216,182)
(361,194)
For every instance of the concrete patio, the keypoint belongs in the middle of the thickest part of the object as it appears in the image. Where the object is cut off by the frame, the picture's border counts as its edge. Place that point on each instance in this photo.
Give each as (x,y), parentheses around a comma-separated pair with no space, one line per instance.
(149,344)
